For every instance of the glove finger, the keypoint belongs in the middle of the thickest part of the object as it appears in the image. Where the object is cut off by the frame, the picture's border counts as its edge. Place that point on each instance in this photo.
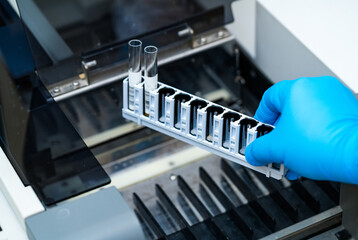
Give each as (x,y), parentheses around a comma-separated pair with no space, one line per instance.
(263,150)
(272,102)
(292,175)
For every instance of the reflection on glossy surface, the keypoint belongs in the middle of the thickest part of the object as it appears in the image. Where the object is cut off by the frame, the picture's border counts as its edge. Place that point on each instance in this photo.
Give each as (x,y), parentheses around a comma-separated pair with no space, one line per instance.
(85,25)
(65,33)
(41,143)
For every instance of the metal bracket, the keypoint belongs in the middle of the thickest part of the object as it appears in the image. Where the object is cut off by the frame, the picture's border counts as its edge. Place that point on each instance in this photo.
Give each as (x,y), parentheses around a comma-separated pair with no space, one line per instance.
(209,37)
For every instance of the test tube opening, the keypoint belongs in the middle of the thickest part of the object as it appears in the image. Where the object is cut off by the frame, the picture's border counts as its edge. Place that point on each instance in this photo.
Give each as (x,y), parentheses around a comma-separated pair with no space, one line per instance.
(135,51)
(178,100)
(245,124)
(228,118)
(150,61)
(134,69)
(211,112)
(194,106)
(163,92)
(150,74)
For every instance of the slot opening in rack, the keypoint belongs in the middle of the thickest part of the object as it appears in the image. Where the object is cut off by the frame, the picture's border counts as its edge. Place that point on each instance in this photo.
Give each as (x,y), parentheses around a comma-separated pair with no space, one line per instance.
(227,119)
(194,106)
(263,129)
(210,113)
(163,92)
(245,124)
(178,100)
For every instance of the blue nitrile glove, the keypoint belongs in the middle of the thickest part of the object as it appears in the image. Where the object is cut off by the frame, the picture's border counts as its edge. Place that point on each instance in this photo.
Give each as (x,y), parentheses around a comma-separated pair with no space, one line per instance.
(316,130)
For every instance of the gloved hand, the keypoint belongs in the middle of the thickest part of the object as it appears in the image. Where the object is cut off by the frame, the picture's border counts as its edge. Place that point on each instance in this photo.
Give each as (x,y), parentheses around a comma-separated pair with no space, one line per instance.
(316,130)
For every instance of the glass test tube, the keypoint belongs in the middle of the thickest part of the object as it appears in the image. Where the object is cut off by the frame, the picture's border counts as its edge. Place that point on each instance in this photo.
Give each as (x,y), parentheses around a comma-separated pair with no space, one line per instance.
(134,70)
(150,74)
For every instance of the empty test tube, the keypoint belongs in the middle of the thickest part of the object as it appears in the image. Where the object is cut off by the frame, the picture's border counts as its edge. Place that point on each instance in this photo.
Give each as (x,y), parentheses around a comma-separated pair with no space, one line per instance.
(134,70)
(150,73)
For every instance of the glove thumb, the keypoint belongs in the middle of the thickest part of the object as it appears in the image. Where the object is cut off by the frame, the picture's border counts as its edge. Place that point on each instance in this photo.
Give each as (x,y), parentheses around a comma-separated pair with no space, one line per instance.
(263,150)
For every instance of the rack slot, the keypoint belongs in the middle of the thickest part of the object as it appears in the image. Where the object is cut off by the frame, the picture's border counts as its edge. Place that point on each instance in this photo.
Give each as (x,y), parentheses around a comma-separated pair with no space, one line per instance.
(199,122)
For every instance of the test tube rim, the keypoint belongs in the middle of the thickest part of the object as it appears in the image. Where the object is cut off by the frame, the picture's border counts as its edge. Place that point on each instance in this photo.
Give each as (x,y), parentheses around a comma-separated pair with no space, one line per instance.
(135,43)
(146,49)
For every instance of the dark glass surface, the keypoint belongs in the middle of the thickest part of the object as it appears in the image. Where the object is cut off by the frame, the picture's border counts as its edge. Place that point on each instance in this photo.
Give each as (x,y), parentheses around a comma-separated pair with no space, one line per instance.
(15,51)
(63,33)
(39,140)
(41,143)
(86,25)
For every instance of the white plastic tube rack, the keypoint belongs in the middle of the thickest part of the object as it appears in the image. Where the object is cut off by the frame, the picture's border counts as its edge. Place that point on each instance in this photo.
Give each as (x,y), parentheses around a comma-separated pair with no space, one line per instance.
(199,122)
